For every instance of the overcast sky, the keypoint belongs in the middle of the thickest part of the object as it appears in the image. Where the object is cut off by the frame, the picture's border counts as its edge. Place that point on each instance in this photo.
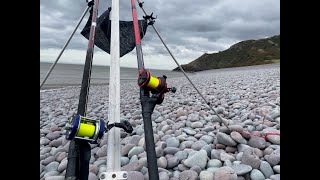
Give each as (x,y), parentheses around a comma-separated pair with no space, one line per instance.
(189,27)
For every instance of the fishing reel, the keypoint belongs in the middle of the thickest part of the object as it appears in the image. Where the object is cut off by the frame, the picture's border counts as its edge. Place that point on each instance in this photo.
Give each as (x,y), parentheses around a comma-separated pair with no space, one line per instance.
(157,86)
(92,130)
(84,128)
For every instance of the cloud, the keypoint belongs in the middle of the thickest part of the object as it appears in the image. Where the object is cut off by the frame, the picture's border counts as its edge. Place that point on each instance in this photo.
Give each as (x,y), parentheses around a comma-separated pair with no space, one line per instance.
(189,27)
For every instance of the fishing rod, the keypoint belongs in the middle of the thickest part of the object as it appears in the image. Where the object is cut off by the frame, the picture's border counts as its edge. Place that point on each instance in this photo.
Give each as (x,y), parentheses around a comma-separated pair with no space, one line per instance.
(66,44)
(82,129)
(151,22)
(157,87)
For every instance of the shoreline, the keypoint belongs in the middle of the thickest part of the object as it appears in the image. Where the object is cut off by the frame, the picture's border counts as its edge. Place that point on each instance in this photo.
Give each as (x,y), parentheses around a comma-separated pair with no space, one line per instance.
(64,85)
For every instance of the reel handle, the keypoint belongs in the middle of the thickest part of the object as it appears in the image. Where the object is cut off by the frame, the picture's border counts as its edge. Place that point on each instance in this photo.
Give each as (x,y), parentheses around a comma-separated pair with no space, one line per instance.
(173,89)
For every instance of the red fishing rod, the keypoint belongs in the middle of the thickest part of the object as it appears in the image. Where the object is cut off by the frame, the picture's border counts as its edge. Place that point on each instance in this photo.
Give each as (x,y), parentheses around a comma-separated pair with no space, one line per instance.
(147,84)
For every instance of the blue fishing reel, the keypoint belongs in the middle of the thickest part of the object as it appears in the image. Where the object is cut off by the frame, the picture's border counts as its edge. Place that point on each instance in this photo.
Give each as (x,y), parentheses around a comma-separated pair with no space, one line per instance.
(92,130)
(84,128)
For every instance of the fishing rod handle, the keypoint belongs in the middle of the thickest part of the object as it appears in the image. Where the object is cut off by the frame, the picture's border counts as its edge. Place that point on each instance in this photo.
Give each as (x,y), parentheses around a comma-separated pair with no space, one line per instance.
(150,147)
(78,160)
(73,161)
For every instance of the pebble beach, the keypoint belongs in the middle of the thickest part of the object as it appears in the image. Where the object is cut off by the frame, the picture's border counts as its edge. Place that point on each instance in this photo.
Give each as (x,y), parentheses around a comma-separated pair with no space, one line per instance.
(192,143)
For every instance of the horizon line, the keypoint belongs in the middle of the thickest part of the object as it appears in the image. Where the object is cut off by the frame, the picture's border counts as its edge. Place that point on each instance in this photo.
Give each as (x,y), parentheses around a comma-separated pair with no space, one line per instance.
(68,63)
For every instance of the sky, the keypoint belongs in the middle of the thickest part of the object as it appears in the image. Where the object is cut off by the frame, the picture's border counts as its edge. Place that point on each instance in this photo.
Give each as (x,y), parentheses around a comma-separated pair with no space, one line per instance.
(189,28)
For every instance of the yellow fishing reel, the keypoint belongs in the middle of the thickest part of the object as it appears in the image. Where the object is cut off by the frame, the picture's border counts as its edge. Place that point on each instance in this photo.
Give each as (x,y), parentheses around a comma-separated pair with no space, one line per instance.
(84,128)
(155,85)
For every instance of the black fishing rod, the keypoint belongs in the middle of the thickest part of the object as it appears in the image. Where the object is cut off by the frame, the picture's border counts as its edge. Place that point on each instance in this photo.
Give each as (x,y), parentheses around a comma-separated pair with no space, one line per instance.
(79,150)
(147,84)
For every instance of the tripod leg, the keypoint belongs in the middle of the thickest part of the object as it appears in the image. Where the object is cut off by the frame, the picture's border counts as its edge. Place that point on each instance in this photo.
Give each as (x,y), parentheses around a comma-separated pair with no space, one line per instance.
(65,45)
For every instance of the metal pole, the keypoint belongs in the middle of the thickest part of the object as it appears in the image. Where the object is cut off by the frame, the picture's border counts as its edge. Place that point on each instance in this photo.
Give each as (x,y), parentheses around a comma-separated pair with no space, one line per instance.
(65,45)
(113,149)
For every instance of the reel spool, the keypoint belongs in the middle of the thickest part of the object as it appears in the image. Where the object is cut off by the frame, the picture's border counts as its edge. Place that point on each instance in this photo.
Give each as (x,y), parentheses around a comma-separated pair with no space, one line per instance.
(84,128)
